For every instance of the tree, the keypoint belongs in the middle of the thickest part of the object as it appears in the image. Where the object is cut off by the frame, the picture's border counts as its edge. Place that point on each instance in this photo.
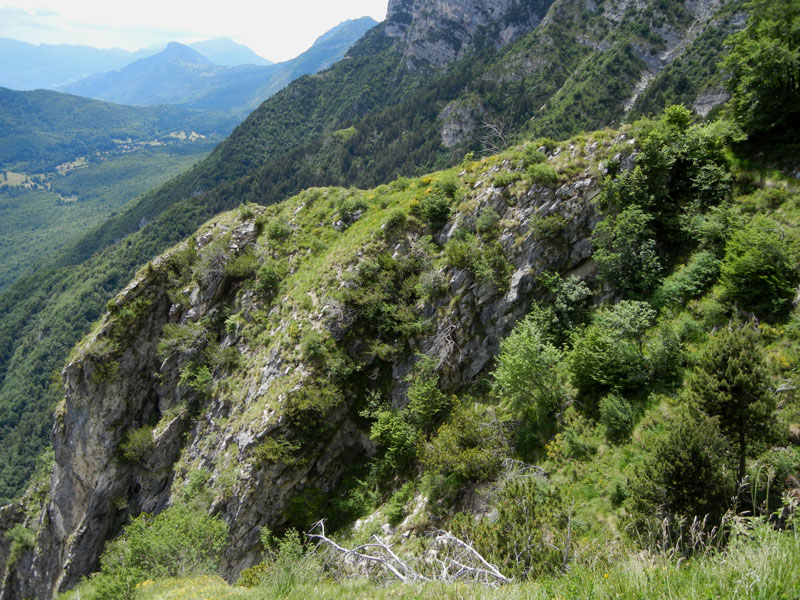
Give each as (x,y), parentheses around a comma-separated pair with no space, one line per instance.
(730,383)
(764,66)
(609,353)
(526,373)
(684,476)
(625,252)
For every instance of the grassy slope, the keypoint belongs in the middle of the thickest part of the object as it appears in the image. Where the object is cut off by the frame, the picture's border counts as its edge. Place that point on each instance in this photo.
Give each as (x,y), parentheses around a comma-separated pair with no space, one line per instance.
(760,568)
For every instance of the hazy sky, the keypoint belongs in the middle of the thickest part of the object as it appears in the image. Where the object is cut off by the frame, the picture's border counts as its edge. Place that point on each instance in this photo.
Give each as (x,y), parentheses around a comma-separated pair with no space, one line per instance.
(275,30)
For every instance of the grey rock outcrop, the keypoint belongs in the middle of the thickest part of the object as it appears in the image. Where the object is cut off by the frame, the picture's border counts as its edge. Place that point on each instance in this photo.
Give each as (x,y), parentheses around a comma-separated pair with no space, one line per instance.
(433,33)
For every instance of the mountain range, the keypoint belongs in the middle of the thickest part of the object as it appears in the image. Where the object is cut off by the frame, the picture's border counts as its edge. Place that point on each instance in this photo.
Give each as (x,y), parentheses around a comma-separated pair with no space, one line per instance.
(25,66)
(181,75)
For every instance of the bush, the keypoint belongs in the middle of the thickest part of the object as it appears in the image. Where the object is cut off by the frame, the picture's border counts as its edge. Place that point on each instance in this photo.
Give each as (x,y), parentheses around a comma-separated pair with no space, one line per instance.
(138,444)
(278,229)
(286,565)
(532,156)
(432,285)
(625,252)
(396,220)
(20,538)
(526,375)
(505,178)
(759,271)
(197,377)
(542,173)
(269,278)
(242,267)
(468,448)
(435,210)
(520,538)
(275,451)
(689,281)
(178,542)
(487,221)
(616,413)
(447,185)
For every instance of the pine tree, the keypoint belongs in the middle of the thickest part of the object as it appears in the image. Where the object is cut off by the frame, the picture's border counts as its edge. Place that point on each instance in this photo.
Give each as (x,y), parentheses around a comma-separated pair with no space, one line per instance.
(730,383)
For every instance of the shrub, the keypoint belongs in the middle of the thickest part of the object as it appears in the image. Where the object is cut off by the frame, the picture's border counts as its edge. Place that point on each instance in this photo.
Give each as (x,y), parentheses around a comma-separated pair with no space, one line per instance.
(505,178)
(19,538)
(520,538)
(547,227)
(468,448)
(312,347)
(616,413)
(138,444)
(759,271)
(625,252)
(396,220)
(462,251)
(269,278)
(275,451)
(447,185)
(435,210)
(278,228)
(242,267)
(526,375)
(432,285)
(689,281)
(542,173)
(286,565)
(177,339)
(395,508)
(532,156)
(683,477)
(487,221)
(197,377)
(178,542)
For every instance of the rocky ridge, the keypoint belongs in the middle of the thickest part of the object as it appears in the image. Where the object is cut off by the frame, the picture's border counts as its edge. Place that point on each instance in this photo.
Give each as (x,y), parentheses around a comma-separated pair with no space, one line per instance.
(202,364)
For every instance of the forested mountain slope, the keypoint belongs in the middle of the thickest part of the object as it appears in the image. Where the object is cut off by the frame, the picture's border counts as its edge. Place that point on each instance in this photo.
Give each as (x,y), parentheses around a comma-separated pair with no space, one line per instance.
(433,82)
(570,354)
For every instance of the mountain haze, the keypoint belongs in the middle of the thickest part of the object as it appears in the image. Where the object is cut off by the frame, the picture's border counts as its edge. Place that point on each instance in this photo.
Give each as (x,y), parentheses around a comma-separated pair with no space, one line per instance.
(226,52)
(25,66)
(181,75)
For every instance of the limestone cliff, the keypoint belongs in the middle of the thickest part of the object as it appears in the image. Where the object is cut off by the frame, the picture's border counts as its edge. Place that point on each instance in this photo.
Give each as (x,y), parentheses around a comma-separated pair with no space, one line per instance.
(437,33)
(209,361)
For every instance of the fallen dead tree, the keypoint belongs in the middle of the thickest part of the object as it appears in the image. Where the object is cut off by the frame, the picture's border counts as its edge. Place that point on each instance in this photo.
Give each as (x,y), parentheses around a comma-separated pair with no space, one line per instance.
(447,559)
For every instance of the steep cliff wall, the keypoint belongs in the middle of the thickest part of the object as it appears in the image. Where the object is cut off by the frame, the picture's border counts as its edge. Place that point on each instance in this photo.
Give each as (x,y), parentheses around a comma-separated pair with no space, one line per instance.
(208,363)
(439,32)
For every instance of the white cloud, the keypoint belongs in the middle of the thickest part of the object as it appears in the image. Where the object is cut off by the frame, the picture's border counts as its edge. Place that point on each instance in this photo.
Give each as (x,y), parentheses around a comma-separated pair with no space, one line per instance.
(276,30)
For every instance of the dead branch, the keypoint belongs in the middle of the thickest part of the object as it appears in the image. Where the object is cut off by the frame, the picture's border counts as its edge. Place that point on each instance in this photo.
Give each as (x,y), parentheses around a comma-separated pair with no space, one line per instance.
(468,562)
(380,553)
(449,559)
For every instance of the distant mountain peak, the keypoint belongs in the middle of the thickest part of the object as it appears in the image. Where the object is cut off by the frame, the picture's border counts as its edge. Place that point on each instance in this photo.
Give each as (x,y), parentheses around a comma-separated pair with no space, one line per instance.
(178,51)
(225,52)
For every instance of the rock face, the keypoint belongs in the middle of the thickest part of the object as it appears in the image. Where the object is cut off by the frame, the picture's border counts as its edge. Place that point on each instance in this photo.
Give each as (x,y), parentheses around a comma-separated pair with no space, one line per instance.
(195,370)
(435,33)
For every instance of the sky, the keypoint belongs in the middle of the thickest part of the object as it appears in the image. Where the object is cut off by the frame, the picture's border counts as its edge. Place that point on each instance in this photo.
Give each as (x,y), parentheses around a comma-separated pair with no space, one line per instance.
(275,30)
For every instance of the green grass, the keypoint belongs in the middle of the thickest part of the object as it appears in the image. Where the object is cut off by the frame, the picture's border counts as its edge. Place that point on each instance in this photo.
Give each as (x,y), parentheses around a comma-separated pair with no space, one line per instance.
(760,564)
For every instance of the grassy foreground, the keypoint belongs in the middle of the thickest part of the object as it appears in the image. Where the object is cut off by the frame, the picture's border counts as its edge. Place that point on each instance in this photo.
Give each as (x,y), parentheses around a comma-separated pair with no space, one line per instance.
(759,564)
